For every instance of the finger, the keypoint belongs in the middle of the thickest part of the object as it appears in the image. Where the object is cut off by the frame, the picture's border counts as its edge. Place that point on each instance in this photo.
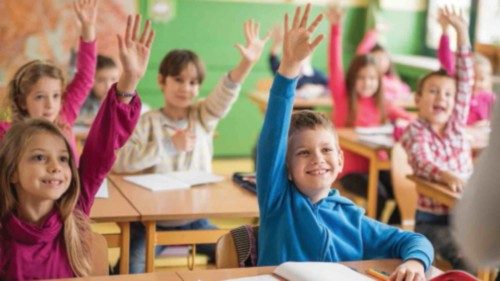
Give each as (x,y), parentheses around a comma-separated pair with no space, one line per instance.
(315,23)
(285,26)
(145,32)
(295,22)
(316,41)
(137,22)
(240,48)
(75,7)
(303,22)
(121,44)
(256,30)
(151,37)
(266,37)
(246,28)
(95,4)
(127,29)
(401,274)
(251,29)
(409,275)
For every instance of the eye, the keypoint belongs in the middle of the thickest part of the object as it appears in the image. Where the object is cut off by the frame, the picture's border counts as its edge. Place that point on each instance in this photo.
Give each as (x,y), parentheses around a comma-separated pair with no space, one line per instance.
(193,82)
(39,97)
(39,157)
(56,96)
(64,159)
(178,79)
(303,153)
(326,149)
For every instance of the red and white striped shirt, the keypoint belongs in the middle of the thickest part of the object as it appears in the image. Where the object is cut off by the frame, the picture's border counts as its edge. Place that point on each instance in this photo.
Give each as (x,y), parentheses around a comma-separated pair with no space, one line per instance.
(429,153)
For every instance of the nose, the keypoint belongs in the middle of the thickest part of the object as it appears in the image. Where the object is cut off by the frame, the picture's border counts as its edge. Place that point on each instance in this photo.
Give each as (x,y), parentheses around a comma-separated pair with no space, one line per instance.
(54,166)
(317,157)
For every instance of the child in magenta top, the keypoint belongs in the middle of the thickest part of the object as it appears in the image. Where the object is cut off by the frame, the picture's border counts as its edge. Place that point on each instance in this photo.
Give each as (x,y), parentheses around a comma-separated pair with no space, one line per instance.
(38,90)
(358,101)
(483,97)
(45,200)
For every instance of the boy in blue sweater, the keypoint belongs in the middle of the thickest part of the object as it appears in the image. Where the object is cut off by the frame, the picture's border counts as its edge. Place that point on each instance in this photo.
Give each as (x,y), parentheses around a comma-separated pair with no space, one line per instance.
(298,159)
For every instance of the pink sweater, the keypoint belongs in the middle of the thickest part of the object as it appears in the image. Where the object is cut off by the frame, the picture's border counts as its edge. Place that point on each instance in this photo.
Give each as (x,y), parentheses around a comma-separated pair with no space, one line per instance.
(31,252)
(394,88)
(370,114)
(481,103)
(75,94)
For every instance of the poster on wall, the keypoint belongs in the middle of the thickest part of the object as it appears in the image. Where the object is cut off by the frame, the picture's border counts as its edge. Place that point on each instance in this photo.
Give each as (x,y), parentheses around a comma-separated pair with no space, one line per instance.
(488,22)
(433,29)
(48,30)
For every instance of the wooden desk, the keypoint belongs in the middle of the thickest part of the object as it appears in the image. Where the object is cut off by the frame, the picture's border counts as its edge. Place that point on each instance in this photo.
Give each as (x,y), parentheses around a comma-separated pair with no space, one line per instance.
(116,209)
(348,140)
(220,200)
(388,265)
(158,276)
(434,190)
(260,98)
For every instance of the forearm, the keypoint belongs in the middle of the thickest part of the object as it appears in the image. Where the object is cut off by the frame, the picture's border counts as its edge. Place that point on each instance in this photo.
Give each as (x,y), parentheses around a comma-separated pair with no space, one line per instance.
(240,72)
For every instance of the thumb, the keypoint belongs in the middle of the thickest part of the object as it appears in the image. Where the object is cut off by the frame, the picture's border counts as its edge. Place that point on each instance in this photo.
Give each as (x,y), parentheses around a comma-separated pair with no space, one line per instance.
(240,48)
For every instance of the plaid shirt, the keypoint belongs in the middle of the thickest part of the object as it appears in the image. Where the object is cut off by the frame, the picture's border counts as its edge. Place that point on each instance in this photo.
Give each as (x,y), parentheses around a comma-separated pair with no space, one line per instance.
(429,153)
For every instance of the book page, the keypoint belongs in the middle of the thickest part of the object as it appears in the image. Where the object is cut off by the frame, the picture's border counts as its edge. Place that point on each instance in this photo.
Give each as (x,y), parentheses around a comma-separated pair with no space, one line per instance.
(103,190)
(195,177)
(318,271)
(266,277)
(157,182)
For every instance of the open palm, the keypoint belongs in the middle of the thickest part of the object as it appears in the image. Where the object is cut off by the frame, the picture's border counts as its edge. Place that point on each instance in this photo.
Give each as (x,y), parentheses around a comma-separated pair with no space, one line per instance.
(86,11)
(254,44)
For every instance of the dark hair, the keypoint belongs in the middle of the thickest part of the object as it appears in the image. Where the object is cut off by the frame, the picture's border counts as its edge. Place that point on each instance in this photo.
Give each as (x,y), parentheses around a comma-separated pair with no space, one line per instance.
(392,70)
(441,73)
(105,62)
(357,64)
(176,60)
(308,119)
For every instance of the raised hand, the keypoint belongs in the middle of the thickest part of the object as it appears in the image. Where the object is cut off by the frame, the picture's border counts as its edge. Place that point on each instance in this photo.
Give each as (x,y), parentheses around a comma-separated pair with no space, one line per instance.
(456,20)
(252,51)
(334,14)
(296,41)
(134,53)
(276,38)
(442,20)
(86,12)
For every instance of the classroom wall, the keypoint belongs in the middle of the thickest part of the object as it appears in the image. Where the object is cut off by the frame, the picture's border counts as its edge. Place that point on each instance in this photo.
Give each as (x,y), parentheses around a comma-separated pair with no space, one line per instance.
(211,28)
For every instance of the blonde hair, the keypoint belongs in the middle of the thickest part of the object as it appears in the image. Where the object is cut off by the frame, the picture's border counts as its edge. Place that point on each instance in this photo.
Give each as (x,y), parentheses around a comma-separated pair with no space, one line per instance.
(76,227)
(24,79)
(482,61)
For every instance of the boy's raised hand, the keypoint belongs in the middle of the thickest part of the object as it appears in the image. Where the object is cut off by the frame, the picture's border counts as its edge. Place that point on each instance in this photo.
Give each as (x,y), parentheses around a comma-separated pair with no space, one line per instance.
(456,20)
(134,53)
(296,46)
(86,12)
(252,51)
(442,20)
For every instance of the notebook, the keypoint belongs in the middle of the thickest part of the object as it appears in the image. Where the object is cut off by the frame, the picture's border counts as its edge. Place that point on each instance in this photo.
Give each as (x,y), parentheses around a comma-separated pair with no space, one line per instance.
(376,130)
(172,181)
(311,271)
(103,190)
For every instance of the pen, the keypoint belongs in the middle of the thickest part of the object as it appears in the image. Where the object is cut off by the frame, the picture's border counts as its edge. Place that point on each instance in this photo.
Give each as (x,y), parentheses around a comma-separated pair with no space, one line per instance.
(376,274)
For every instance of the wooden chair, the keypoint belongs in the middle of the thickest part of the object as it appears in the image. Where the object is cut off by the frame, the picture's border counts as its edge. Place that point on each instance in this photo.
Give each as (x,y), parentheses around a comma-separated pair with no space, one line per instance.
(404,189)
(99,247)
(238,248)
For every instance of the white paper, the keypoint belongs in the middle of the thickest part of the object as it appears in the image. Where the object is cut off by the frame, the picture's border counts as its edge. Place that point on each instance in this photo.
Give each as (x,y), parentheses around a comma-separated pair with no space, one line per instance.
(103,190)
(195,177)
(383,140)
(318,271)
(266,277)
(157,182)
(377,130)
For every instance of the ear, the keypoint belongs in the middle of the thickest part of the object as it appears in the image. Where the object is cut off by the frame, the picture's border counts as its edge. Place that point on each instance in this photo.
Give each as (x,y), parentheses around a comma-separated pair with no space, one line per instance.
(161,80)
(340,159)
(14,179)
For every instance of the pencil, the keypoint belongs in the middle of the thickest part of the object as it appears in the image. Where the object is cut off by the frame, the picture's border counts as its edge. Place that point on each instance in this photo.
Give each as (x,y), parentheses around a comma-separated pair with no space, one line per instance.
(377,275)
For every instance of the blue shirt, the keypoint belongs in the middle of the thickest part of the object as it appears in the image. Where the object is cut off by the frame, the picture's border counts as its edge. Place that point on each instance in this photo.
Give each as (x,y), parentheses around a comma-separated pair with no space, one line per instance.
(317,78)
(292,228)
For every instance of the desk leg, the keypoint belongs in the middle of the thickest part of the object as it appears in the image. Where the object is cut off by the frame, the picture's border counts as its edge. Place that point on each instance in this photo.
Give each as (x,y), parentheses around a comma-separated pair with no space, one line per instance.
(372,188)
(150,244)
(124,247)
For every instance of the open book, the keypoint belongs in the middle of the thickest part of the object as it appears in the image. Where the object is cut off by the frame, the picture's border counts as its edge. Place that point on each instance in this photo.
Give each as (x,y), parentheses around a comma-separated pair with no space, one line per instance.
(174,180)
(311,271)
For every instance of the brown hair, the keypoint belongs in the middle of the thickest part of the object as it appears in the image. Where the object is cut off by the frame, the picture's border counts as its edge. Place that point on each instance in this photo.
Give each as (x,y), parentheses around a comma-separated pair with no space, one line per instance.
(105,62)
(308,119)
(175,62)
(24,79)
(75,224)
(357,64)
(392,70)
(421,82)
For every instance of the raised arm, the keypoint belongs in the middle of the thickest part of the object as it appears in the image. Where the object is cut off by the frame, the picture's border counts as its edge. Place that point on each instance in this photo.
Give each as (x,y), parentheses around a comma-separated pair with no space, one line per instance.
(445,55)
(276,42)
(368,42)
(79,88)
(336,71)
(119,113)
(272,146)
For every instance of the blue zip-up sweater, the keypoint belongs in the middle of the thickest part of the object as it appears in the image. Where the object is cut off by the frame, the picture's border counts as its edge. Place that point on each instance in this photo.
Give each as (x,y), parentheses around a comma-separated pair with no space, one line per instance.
(333,229)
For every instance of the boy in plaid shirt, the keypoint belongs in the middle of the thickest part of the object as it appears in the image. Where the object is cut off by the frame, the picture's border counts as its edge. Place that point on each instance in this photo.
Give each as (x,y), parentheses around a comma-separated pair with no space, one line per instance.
(436,144)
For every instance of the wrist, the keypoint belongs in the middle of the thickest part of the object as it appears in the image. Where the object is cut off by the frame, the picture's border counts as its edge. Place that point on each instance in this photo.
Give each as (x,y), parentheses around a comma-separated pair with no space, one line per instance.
(289,69)
(126,85)
(88,33)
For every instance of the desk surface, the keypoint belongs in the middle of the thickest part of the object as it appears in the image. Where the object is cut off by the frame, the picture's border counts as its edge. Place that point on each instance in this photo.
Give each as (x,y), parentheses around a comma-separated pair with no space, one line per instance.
(115,208)
(158,276)
(224,199)
(435,190)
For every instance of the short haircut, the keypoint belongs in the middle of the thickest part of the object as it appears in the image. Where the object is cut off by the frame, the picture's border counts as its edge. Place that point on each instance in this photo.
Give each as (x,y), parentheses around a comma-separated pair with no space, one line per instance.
(105,62)
(421,82)
(177,60)
(308,119)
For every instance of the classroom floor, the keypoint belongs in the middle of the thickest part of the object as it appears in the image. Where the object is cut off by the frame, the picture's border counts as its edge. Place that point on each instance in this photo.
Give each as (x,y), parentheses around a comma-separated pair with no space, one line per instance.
(220,166)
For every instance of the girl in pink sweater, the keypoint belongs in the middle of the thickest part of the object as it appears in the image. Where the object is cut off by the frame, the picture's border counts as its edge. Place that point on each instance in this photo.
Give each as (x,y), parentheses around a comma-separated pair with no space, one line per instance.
(358,101)
(38,90)
(45,200)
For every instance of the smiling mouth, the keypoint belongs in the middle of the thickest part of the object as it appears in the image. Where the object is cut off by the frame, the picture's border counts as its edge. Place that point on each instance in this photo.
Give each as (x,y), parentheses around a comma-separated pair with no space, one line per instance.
(52,182)
(318,172)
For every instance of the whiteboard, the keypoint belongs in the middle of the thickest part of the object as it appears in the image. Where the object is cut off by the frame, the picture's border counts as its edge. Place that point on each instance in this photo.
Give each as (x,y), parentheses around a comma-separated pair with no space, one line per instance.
(488,22)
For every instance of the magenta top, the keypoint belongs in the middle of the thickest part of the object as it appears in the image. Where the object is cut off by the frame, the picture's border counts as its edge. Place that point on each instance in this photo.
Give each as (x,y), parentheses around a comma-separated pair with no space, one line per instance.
(481,103)
(75,93)
(31,252)
(368,113)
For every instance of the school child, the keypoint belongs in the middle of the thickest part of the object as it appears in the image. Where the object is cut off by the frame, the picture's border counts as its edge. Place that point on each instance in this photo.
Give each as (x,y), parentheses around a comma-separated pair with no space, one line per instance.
(312,82)
(38,89)
(483,97)
(106,74)
(301,218)
(45,198)
(178,137)
(436,143)
(393,87)
(359,101)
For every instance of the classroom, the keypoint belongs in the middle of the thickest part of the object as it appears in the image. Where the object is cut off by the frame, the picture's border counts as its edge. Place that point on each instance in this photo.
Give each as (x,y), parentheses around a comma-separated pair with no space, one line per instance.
(249,140)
